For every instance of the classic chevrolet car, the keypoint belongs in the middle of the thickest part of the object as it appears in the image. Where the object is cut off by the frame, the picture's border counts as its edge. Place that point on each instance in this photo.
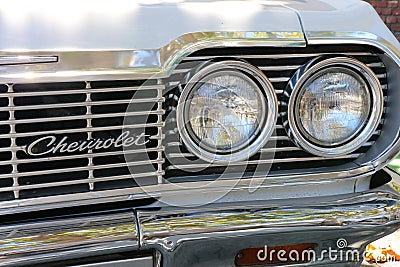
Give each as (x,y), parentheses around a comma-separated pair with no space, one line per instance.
(196,133)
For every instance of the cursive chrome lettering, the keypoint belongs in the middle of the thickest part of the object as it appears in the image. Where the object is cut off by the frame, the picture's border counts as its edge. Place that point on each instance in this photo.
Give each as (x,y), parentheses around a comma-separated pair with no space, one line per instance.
(50,145)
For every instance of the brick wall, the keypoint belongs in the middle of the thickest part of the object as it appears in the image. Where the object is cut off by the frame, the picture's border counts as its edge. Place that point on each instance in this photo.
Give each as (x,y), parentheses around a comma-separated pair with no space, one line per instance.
(390,13)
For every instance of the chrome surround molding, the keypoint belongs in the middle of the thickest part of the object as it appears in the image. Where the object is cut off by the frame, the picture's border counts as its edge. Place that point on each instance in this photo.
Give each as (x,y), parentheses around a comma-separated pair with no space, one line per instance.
(135,64)
(268,122)
(295,87)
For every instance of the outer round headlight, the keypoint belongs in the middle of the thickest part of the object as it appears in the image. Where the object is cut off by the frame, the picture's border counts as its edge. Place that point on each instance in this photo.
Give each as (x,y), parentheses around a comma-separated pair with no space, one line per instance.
(226,112)
(334,106)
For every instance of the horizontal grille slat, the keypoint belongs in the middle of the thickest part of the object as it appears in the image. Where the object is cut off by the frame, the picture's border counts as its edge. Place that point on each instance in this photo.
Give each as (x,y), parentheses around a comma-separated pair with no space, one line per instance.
(274,56)
(376,65)
(84,117)
(279,68)
(257,162)
(279,79)
(78,156)
(81,181)
(86,168)
(79,104)
(82,91)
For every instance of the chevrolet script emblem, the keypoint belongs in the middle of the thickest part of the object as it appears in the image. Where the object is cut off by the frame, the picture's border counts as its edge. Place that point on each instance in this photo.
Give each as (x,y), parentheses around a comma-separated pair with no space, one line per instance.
(51,145)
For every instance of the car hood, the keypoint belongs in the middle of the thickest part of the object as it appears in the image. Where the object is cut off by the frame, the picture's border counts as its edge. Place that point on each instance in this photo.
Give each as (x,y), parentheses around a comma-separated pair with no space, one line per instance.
(154,35)
(131,25)
(43,25)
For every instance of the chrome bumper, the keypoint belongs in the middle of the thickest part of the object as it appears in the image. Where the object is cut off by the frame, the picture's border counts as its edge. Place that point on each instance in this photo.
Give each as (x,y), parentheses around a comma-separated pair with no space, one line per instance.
(207,236)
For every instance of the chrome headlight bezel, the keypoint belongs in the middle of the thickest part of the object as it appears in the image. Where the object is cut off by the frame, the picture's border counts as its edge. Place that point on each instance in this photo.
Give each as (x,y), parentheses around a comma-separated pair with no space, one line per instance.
(265,129)
(296,87)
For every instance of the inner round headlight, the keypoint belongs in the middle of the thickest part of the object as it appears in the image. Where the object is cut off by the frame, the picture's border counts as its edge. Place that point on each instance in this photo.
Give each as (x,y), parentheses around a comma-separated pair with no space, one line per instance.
(226,112)
(334,106)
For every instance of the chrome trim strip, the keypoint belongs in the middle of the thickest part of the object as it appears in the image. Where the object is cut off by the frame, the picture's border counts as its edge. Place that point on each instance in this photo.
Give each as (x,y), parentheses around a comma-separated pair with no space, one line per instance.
(180,71)
(63,238)
(84,117)
(279,79)
(261,161)
(279,138)
(83,91)
(263,150)
(18,59)
(129,64)
(179,155)
(275,56)
(83,104)
(280,149)
(279,68)
(376,65)
(381,76)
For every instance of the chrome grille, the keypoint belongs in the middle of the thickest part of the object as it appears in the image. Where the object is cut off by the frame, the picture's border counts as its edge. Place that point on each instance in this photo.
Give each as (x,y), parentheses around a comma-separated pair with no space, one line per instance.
(83,110)
(278,65)
(79,111)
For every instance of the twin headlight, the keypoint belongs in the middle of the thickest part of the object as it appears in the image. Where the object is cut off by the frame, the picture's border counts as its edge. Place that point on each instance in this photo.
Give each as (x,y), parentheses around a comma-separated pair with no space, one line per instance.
(334,106)
(228,110)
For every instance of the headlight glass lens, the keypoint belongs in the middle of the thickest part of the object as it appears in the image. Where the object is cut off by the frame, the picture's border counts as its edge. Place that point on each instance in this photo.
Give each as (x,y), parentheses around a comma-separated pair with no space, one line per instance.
(225,110)
(333,106)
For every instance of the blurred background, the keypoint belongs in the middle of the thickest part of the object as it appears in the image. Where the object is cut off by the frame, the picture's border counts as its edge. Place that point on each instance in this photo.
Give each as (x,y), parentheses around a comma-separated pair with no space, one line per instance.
(390,13)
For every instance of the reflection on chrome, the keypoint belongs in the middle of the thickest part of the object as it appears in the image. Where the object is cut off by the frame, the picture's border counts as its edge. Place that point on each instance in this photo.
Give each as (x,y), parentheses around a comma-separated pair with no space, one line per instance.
(80,233)
(373,208)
